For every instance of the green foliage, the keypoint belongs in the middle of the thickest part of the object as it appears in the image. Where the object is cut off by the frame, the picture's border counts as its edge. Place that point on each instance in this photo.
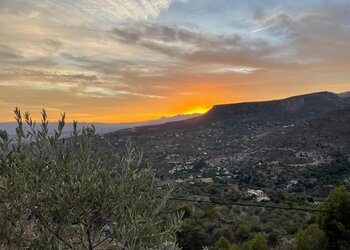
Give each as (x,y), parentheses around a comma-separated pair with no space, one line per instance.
(336,225)
(272,238)
(223,243)
(245,246)
(191,238)
(73,194)
(285,244)
(258,243)
(311,238)
(195,230)
(233,247)
(243,231)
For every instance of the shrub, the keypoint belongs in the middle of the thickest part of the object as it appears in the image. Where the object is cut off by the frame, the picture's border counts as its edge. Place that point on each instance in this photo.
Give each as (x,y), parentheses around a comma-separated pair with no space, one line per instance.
(285,244)
(70,193)
(268,228)
(256,227)
(337,224)
(292,228)
(223,243)
(311,238)
(272,238)
(233,247)
(191,238)
(243,231)
(258,243)
(224,230)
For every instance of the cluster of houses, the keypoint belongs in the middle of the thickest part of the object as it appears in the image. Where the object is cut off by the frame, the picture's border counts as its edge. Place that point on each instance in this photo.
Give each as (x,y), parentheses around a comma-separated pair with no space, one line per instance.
(179,168)
(190,175)
(192,180)
(259,195)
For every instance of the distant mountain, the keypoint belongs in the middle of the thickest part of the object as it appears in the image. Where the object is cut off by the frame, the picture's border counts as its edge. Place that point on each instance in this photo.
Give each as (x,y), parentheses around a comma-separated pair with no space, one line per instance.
(102,128)
(283,111)
(345,94)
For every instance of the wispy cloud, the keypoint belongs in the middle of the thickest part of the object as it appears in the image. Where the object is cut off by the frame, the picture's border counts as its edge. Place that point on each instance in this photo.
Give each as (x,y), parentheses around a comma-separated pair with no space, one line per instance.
(103,92)
(262,28)
(81,84)
(89,11)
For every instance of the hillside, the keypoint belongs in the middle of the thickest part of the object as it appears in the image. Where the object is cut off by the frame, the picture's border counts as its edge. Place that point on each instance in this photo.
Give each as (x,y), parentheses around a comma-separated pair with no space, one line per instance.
(283,111)
(261,143)
(325,130)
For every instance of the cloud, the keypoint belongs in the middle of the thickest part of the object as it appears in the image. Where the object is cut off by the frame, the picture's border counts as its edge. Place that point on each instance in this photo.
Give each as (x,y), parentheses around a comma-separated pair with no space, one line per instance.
(7,53)
(199,47)
(19,74)
(261,29)
(119,9)
(146,32)
(152,49)
(136,53)
(319,35)
(103,92)
(53,45)
(88,11)
(81,84)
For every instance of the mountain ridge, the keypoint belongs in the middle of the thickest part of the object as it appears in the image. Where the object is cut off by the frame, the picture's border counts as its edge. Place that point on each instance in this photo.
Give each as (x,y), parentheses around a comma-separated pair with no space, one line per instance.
(289,109)
(277,112)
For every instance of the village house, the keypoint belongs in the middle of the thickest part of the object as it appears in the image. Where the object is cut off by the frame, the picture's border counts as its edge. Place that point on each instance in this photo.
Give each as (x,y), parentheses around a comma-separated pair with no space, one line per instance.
(259,194)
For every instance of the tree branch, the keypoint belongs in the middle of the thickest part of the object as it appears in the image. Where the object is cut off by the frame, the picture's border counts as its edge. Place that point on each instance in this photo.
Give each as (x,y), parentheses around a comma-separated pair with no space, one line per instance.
(45,224)
(89,238)
(99,243)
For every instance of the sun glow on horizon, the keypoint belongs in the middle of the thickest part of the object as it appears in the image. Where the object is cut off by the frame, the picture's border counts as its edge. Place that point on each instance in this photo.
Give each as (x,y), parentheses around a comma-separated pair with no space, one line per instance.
(198,110)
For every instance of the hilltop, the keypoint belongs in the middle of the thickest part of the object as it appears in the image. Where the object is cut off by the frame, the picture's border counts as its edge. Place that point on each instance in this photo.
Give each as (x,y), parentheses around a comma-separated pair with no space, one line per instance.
(292,109)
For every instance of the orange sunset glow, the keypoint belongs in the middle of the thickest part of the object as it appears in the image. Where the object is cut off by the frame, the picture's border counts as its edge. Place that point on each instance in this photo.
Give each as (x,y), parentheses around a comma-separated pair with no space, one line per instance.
(117,61)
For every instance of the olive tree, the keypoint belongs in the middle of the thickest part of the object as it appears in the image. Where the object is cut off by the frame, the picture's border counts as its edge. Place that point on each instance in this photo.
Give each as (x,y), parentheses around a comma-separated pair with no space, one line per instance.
(74,193)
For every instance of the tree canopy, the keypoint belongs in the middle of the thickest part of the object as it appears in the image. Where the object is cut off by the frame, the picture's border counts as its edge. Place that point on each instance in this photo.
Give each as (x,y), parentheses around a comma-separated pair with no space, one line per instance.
(336,224)
(311,238)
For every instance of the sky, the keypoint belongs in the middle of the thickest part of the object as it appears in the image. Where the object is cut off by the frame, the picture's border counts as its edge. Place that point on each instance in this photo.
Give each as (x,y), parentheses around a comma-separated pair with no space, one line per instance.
(135,60)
